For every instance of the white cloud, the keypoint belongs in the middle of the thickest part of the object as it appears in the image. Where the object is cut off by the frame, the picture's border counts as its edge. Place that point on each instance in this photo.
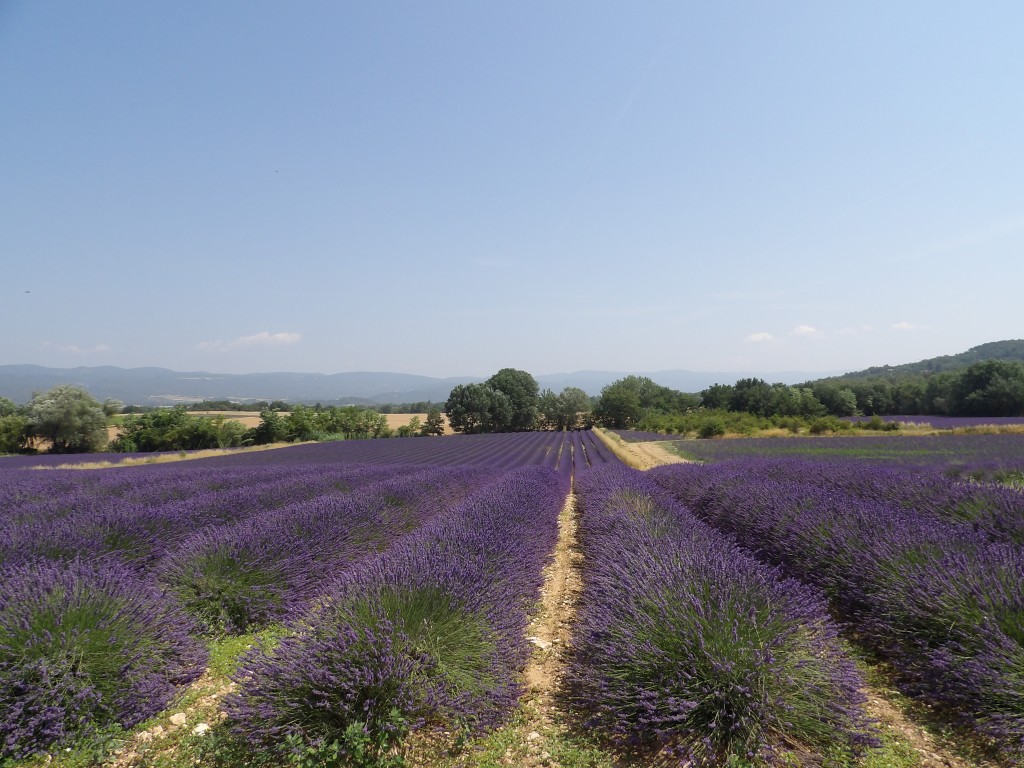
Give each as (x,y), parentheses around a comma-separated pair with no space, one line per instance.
(74,349)
(807,331)
(262,339)
(760,338)
(905,326)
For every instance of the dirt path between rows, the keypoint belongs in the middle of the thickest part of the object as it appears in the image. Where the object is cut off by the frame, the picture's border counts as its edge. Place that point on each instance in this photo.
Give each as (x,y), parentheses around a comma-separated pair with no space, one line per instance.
(550,633)
(638,455)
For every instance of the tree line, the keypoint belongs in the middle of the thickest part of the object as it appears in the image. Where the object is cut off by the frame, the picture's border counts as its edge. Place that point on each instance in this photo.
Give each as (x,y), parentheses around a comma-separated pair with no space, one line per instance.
(69,420)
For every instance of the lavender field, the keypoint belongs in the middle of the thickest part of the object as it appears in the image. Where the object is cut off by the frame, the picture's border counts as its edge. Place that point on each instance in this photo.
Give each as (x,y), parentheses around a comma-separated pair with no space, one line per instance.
(978,456)
(717,607)
(115,580)
(928,572)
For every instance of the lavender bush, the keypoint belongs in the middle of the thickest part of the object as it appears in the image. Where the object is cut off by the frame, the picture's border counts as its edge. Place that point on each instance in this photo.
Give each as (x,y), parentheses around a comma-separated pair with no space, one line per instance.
(940,600)
(431,633)
(243,576)
(685,643)
(84,646)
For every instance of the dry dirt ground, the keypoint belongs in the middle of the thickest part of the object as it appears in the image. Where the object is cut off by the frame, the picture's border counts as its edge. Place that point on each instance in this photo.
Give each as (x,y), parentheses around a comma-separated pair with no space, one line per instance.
(639,455)
(550,635)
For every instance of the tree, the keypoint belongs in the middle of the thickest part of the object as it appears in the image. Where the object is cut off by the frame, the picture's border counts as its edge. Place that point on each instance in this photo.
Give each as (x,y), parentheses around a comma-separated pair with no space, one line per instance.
(478,408)
(522,391)
(112,406)
(412,429)
(566,410)
(753,396)
(271,429)
(624,402)
(990,388)
(717,396)
(8,407)
(619,406)
(69,417)
(13,433)
(434,425)
(838,400)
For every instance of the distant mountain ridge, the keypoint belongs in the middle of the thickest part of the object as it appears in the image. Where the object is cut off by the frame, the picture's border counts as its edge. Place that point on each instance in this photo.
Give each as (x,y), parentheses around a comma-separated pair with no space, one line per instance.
(1012,350)
(161,386)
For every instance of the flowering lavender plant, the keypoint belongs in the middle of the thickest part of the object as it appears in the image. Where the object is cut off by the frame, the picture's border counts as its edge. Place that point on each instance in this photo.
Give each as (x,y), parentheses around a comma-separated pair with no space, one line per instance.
(939,598)
(430,633)
(687,644)
(84,646)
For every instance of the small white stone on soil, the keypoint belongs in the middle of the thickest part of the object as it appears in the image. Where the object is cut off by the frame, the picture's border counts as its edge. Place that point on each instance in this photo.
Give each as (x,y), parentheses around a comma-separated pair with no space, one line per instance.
(200,729)
(178,718)
(532,736)
(540,642)
(158,731)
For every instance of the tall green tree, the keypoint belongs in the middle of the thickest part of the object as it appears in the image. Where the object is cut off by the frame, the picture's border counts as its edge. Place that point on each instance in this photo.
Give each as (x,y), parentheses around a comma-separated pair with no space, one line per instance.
(523,393)
(14,434)
(569,409)
(990,388)
(434,425)
(625,402)
(68,417)
(478,408)
(619,406)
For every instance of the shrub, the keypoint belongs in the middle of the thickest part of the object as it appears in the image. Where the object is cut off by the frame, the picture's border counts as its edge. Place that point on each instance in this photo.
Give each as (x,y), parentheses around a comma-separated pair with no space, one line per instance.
(713,427)
(825,424)
(431,632)
(687,644)
(83,647)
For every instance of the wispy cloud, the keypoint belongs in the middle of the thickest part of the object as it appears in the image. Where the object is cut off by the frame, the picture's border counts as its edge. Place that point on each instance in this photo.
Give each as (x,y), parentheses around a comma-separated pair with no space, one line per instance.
(75,349)
(262,339)
(760,338)
(905,326)
(807,332)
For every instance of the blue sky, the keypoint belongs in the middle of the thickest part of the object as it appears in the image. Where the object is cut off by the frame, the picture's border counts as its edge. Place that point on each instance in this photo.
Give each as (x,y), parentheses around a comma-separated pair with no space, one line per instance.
(451,188)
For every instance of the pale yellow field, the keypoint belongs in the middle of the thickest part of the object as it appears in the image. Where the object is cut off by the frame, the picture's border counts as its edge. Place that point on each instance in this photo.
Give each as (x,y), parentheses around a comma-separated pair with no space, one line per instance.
(250,419)
(396,420)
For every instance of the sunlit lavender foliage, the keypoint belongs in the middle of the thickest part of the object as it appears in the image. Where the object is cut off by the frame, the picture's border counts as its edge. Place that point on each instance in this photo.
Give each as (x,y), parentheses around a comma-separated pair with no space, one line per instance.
(683,642)
(84,646)
(431,633)
(241,576)
(937,597)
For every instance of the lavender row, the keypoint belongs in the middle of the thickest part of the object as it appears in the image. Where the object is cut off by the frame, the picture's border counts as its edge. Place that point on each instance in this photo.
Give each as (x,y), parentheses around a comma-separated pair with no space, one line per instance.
(429,634)
(995,511)
(88,643)
(245,575)
(47,495)
(686,645)
(86,521)
(939,600)
(502,451)
(982,456)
